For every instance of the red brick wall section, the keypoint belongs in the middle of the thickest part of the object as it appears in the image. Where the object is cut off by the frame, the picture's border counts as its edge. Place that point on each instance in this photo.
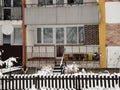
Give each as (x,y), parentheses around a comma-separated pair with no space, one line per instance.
(112,0)
(113,34)
(91,35)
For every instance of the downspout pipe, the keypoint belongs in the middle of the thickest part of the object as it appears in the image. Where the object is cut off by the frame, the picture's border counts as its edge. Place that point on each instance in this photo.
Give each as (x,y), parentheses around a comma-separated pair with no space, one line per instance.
(23,36)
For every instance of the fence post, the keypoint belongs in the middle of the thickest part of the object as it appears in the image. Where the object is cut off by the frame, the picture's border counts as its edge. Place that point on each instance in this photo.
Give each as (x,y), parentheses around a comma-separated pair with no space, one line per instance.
(56,81)
(59,78)
(116,79)
(113,84)
(74,86)
(97,80)
(76,82)
(101,84)
(42,81)
(63,81)
(20,82)
(49,81)
(26,81)
(38,82)
(86,81)
(23,82)
(2,82)
(105,82)
(108,81)
(119,81)
(89,81)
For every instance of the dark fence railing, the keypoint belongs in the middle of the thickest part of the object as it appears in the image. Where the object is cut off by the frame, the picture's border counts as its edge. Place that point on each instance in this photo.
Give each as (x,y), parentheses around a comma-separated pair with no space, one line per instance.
(66,81)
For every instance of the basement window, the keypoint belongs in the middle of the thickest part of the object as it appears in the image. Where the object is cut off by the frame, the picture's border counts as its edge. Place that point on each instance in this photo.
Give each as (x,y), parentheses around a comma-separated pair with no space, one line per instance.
(75,1)
(58,2)
(45,2)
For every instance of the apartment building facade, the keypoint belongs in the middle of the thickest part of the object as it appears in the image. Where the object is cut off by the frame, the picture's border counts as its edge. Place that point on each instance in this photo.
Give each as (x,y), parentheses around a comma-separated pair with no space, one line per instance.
(80,27)
(11,14)
(52,26)
(113,33)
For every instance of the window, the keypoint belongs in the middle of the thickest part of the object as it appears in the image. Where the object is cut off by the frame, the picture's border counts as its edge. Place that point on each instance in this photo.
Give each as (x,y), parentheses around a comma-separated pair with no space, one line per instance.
(71,35)
(60,35)
(78,1)
(12,10)
(58,2)
(6,39)
(49,2)
(75,1)
(7,14)
(17,36)
(17,3)
(48,35)
(45,2)
(81,34)
(39,35)
(41,2)
(70,1)
(7,3)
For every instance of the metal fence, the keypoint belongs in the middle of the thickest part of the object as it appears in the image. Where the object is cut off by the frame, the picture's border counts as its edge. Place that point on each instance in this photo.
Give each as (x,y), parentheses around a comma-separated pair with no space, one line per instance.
(59,81)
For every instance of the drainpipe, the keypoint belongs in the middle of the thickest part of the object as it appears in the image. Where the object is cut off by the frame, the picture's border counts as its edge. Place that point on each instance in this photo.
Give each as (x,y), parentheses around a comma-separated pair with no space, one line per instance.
(102,35)
(23,36)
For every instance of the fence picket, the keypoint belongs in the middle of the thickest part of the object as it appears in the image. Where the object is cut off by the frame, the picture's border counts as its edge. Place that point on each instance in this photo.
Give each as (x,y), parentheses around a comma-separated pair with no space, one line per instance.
(56,82)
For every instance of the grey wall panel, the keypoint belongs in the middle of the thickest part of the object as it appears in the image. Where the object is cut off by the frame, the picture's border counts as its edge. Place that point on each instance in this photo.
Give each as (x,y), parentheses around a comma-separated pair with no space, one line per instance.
(89,14)
(1,36)
(16,13)
(82,14)
(0,13)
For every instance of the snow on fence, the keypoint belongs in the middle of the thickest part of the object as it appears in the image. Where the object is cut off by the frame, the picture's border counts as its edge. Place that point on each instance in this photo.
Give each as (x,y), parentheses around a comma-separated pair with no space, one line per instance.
(57,81)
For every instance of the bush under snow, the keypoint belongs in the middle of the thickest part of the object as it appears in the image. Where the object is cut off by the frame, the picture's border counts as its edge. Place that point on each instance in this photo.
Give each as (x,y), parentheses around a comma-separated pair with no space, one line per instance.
(72,68)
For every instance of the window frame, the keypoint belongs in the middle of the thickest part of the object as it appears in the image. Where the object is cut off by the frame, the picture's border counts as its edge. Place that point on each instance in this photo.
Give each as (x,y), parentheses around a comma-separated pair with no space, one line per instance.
(17,5)
(54,35)
(71,43)
(13,36)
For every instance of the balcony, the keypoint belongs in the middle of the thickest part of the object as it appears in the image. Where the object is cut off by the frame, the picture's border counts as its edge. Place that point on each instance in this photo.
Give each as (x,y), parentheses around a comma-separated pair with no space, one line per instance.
(66,15)
(51,51)
(47,54)
(10,13)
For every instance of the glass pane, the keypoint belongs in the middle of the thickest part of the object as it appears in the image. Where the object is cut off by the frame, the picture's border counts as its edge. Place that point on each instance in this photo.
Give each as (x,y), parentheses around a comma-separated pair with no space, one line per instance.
(59,2)
(78,1)
(39,35)
(71,35)
(41,2)
(17,3)
(49,2)
(17,36)
(70,1)
(59,35)
(81,34)
(48,35)
(6,39)
(7,3)
(7,14)
(75,1)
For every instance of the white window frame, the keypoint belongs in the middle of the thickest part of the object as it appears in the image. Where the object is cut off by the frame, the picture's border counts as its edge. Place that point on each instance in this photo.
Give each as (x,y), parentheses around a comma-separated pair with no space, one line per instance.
(13,39)
(54,35)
